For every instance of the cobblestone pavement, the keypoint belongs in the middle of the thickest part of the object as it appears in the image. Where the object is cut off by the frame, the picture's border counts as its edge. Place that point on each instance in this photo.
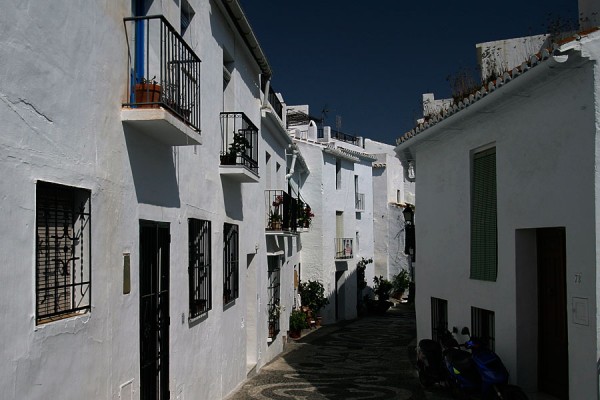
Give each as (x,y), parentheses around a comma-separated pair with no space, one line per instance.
(368,358)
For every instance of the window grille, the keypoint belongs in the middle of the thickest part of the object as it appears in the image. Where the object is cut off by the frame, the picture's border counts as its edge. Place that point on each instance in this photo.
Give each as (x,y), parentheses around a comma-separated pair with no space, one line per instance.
(274,273)
(483,326)
(230,263)
(63,252)
(484,234)
(439,318)
(199,269)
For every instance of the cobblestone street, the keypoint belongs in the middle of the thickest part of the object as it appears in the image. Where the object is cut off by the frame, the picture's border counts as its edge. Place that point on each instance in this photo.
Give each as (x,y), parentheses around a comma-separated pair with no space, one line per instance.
(368,358)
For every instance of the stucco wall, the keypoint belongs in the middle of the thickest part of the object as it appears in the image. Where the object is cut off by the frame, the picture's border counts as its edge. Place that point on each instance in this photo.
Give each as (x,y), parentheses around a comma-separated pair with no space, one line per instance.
(543,127)
(63,81)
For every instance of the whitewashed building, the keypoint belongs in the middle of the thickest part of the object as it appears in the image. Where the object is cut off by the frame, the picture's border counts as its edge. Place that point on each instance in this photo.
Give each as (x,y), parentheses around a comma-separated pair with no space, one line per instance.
(138,263)
(507,183)
(392,192)
(283,173)
(339,190)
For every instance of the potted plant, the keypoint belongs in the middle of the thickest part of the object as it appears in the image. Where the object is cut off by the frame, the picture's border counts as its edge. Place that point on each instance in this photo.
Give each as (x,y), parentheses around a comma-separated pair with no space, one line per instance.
(238,146)
(400,284)
(297,323)
(382,288)
(147,91)
(312,295)
(305,216)
(275,219)
(275,311)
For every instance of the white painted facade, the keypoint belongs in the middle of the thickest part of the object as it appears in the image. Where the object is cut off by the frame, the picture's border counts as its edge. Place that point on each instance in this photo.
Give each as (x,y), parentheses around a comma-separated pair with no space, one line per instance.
(337,216)
(63,82)
(392,191)
(545,125)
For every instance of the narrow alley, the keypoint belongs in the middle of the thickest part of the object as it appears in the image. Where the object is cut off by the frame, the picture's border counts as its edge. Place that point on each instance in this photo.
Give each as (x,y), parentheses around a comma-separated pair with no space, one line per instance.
(368,358)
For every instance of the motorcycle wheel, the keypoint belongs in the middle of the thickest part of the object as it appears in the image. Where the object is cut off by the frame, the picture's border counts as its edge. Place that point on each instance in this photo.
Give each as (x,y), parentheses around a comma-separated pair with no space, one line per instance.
(511,392)
(425,380)
(455,390)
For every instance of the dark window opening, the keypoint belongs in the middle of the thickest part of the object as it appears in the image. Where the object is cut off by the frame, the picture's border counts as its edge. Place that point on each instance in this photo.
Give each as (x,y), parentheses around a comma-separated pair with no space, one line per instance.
(200,267)
(230,263)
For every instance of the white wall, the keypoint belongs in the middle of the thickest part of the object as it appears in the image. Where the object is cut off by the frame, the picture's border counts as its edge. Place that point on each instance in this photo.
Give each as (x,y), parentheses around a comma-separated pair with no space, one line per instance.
(545,165)
(64,79)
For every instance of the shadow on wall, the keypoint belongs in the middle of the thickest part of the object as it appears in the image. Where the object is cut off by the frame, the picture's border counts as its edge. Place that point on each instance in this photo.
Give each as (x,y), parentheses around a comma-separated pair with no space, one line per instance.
(153,169)
(232,198)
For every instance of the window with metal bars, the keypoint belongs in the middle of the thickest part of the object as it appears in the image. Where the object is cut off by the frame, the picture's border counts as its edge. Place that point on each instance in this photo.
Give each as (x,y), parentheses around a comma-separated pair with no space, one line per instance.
(199,269)
(230,262)
(483,326)
(439,318)
(484,236)
(273,290)
(63,252)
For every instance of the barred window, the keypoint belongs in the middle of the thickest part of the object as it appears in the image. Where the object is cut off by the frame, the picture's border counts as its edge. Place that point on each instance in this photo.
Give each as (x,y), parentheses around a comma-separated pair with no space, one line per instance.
(230,262)
(484,236)
(199,269)
(439,318)
(274,305)
(63,251)
(483,326)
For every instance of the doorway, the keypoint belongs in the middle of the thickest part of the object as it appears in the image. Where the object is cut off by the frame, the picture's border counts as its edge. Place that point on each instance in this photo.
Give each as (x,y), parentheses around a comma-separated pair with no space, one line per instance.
(155,240)
(553,356)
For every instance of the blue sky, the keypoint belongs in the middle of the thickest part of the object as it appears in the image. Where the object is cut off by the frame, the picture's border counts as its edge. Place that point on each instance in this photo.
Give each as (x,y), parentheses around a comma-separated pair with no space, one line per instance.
(370,62)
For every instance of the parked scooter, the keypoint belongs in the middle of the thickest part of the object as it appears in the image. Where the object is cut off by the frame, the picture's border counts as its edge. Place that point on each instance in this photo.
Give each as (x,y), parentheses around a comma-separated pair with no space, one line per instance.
(431,368)
(479,372)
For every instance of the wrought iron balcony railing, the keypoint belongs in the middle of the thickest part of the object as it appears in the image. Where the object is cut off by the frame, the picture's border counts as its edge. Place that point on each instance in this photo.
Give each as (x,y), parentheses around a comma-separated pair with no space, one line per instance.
(163,69)
(275,103)
(284,212)
(240,141)
(343,248)
(359,200)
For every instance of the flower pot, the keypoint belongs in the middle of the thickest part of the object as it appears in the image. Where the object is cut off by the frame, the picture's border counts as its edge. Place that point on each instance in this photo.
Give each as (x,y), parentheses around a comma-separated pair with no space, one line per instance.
(228,159)
(295,334)
(275,225)
(147,93)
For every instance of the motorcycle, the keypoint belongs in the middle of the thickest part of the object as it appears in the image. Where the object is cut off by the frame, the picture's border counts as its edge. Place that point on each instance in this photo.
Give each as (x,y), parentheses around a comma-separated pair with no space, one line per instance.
(478,372)
(431,368)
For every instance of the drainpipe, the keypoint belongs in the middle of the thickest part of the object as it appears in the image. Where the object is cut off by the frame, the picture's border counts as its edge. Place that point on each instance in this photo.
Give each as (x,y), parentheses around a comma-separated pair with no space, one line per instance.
(294,157)
(265,95)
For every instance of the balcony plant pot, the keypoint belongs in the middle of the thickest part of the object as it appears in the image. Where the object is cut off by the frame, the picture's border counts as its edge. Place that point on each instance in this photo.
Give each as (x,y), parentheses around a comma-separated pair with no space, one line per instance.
(147,93)
(228,159)
(275,225)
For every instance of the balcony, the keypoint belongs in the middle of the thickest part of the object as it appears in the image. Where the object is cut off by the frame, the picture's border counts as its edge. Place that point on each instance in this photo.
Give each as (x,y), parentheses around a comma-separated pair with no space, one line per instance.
(343,248)
(163,95)
(285,214)
(239,154)
(359,201)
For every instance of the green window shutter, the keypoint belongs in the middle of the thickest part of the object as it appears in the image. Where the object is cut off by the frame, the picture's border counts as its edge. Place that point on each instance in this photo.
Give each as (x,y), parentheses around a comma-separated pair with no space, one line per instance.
(484,233)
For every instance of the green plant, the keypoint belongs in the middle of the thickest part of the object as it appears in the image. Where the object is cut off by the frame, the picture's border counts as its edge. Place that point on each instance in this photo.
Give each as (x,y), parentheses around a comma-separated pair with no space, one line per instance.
(312,295)
(361,266)
(401,281)
(239,144)
(275,311)
(298,320)
(382,287)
